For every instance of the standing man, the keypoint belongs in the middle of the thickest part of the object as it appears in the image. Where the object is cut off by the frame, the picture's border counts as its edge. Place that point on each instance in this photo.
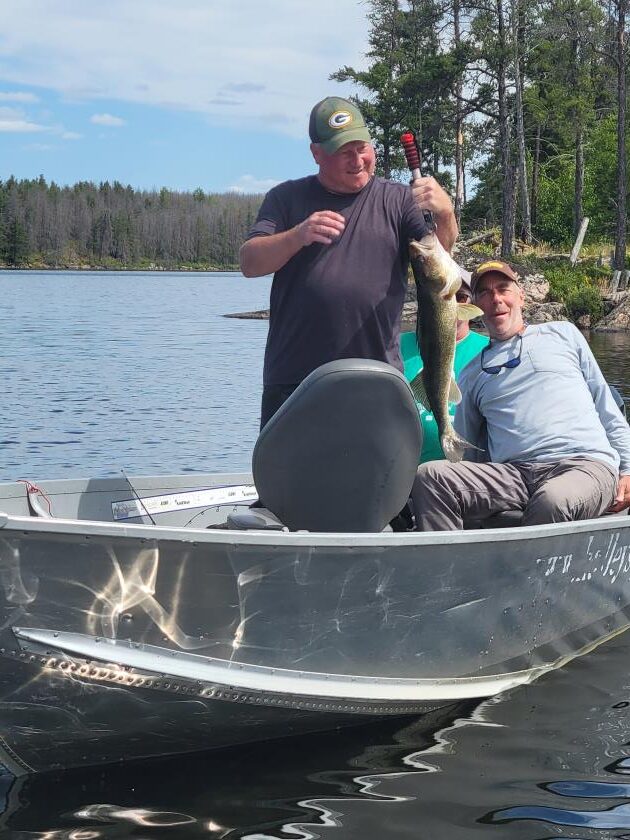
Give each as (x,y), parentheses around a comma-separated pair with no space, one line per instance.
(337,244)
(535,401)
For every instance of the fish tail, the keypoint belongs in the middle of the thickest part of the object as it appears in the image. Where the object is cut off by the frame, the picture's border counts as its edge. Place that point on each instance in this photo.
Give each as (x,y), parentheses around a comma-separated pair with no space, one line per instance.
(454,446)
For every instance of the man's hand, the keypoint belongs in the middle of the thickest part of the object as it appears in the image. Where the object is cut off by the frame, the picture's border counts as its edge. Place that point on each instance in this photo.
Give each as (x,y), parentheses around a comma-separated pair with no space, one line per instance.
(267,254)
(325,226)
(622,499)
(429,195)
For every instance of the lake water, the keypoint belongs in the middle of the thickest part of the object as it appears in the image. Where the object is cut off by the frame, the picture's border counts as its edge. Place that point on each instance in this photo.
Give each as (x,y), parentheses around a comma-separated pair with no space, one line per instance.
(106,371)
(110,371)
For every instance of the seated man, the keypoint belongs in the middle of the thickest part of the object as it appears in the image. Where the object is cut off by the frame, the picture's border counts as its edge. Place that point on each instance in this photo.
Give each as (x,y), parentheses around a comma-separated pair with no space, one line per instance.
(469,344)
(538,407)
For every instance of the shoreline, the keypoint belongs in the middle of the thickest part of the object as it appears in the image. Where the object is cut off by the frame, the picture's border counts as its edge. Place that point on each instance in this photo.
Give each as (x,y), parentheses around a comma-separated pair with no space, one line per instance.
(153,269)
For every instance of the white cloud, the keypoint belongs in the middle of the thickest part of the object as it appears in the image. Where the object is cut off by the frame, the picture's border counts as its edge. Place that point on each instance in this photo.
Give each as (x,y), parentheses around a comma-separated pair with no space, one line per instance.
(13,121)
(71,135)
(251,184)
(263,63)
(17,96)
(107,119)
(19,126)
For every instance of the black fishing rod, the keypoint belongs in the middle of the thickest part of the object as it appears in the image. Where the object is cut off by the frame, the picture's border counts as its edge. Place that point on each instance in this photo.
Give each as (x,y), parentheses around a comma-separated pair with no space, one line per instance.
(133,490)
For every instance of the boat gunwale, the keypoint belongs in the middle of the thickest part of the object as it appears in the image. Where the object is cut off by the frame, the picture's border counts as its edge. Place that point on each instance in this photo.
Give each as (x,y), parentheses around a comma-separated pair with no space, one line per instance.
(383,539)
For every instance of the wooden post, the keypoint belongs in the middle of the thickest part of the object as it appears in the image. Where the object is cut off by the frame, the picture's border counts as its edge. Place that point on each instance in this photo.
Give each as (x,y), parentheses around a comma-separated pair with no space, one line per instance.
(614,283)
(578,242)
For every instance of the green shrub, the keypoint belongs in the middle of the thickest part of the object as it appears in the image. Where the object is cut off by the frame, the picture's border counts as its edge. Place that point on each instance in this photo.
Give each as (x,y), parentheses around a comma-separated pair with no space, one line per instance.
(579,289)
(584,301)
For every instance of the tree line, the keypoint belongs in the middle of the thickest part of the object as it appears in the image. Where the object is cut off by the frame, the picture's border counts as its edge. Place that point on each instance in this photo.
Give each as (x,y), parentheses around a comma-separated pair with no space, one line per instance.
(114,225)
(519,108)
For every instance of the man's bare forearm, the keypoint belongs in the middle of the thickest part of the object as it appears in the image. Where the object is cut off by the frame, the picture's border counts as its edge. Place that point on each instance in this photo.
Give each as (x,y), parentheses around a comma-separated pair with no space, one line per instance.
(267,254)
(446,229)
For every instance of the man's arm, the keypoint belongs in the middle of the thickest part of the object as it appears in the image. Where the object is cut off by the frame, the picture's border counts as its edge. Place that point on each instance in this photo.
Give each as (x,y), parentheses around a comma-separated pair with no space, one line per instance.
(429,195)
(268,253)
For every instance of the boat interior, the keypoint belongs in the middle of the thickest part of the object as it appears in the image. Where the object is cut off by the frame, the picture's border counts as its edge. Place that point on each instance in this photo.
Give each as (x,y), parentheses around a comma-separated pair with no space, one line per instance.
(339,456)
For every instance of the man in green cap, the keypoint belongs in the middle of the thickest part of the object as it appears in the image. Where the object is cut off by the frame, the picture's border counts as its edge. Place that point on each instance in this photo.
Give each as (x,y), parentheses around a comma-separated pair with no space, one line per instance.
(337,245)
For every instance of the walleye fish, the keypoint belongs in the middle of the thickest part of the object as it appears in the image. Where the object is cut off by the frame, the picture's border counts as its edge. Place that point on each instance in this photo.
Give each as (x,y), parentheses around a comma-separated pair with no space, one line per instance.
(438,279)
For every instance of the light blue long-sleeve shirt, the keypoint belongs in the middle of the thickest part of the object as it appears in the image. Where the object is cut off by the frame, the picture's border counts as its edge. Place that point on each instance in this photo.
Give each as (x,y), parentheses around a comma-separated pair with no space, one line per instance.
(556,404)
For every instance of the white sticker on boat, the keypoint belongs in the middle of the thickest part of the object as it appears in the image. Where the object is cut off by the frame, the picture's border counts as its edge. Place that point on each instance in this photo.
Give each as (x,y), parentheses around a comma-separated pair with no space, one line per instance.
(212,497)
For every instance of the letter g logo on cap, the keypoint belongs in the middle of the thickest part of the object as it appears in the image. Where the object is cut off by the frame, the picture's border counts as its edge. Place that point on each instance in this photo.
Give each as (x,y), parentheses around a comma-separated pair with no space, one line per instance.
(339,119)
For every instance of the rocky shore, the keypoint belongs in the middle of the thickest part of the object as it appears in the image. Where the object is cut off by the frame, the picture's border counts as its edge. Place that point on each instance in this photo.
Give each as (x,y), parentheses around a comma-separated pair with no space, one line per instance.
(538,309)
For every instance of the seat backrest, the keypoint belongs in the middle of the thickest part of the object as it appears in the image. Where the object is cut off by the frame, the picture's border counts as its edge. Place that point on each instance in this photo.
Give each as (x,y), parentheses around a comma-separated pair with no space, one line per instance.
(341,453)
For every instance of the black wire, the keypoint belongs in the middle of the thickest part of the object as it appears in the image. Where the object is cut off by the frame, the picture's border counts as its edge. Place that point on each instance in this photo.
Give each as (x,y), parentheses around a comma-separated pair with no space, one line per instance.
(133,490)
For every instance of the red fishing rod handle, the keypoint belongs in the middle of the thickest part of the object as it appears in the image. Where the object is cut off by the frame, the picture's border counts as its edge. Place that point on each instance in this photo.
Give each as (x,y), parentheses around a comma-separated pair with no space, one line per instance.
(411,150)
(412,154)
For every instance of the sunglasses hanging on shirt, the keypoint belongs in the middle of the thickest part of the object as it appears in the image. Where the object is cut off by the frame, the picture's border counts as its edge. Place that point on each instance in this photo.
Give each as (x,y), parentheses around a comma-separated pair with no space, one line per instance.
(511,363)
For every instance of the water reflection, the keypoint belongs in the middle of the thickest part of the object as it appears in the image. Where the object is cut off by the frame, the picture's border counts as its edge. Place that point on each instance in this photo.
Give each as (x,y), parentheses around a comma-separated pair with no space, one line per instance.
(543,761)
(292,787)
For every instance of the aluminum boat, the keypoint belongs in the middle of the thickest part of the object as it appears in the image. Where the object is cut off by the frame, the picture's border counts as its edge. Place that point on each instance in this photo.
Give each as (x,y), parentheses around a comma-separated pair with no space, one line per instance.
(147,616)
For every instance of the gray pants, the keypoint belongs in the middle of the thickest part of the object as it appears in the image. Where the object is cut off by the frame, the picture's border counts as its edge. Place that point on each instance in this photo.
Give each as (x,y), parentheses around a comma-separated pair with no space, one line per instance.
(445,494)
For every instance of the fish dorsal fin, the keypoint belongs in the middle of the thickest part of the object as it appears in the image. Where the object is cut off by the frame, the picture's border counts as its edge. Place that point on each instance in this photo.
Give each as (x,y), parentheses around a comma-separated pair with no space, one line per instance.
(419,391)
(454,394)
(468,311)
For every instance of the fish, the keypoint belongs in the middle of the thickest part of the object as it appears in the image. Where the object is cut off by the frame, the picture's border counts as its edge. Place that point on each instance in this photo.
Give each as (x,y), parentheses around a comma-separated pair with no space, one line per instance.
(438,280)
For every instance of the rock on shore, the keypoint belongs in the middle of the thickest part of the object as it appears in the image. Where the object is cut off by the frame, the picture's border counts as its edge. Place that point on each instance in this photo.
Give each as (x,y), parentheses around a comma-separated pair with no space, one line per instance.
(619,318)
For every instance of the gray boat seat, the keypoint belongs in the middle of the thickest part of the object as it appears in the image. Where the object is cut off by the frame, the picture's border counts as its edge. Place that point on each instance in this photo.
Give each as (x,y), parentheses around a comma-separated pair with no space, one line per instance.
(340,455)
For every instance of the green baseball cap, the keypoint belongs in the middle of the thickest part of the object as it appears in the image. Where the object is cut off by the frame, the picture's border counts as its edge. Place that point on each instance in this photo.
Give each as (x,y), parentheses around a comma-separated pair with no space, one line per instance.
(334,122)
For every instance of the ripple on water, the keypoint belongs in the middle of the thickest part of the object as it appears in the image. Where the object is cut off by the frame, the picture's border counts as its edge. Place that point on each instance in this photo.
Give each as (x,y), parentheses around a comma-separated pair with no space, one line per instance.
(149,361)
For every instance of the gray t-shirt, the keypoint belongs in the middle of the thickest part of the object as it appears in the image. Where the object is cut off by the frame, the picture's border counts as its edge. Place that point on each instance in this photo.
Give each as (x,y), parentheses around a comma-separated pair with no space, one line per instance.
(342,300)
(556,404)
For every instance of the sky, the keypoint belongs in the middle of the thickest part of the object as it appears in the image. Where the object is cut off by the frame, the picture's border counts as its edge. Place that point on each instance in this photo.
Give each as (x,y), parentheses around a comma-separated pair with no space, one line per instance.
(180,94)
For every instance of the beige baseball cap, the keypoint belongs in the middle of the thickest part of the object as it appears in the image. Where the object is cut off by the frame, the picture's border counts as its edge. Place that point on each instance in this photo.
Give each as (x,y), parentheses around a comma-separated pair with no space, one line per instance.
(498,266)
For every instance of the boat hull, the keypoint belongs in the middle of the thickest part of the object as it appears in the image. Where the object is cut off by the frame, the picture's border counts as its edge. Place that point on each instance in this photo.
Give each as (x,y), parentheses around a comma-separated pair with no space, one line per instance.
(125,640)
